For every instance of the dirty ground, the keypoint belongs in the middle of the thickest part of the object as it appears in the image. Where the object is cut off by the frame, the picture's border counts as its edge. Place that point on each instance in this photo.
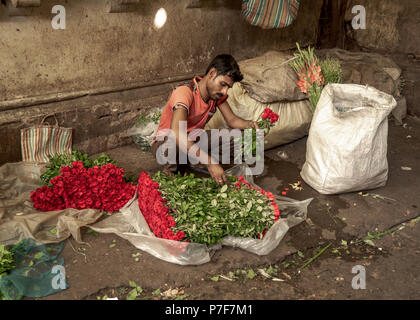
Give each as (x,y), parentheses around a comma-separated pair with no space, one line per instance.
(313,261)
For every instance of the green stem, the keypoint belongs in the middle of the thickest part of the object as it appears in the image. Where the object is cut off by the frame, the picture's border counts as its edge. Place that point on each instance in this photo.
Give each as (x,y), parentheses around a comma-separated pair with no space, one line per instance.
(315,257)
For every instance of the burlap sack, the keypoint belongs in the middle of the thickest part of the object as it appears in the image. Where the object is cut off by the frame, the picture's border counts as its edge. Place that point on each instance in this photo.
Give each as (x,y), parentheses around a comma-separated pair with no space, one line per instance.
(294,117)
(366,68)
(269,78)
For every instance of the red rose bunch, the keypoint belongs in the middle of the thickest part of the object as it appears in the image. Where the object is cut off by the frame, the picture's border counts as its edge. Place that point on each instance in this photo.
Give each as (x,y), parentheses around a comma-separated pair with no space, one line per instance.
(268,120)
(269,114)
(101,188)
(154,209)
(45,199)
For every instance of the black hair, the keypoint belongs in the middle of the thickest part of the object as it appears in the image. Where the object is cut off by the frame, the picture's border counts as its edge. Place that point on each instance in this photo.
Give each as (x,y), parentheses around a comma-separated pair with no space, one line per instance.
(225,64)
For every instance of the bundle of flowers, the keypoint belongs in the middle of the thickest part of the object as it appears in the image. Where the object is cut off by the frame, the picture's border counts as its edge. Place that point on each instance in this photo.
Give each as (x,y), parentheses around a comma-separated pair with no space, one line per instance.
(313,74)
(265,121)
(308,69)
(197,210)
(77,187)
(145,129)
(268,119)
(7,260)
(57,161)
(7,263)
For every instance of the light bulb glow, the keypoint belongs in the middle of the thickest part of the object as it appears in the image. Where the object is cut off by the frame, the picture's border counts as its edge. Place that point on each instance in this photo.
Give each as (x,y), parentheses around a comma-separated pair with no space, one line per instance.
(160,18)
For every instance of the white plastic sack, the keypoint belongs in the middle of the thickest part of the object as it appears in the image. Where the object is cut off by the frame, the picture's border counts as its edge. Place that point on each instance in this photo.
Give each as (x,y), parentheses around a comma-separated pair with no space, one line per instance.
(130,224)
(294,117)
(347,143)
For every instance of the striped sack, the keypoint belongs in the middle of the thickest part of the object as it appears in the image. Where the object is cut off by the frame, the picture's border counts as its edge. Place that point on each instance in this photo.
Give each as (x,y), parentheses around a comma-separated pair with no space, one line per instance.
(41,141)
(270,14)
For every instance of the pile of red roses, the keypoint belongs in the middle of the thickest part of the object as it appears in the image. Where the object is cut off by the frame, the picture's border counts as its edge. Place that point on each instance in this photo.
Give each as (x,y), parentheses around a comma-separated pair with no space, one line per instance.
(269,114)
(101,188)
(154,209)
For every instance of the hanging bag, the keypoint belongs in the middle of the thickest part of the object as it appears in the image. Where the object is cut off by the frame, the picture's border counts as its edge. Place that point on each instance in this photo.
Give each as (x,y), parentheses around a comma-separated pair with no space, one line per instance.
(39,142)
(270,14)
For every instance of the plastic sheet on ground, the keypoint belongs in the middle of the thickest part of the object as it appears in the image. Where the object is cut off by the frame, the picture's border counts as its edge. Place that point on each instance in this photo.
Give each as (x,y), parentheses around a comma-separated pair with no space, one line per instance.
(37,271)
(18,218)
(131,225)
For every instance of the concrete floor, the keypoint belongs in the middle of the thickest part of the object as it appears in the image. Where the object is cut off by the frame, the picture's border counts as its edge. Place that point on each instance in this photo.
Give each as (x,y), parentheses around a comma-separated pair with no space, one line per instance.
(391,265)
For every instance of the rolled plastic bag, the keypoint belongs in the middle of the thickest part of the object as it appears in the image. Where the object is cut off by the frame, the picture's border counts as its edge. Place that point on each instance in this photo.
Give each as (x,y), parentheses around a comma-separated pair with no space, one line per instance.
(145,129)
(347,143)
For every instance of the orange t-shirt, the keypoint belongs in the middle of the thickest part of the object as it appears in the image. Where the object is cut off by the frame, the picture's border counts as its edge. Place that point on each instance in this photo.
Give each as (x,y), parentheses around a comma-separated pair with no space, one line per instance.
(188,96)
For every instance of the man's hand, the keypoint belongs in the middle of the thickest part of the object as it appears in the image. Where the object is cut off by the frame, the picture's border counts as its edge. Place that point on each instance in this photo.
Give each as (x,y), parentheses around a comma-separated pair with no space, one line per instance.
(253,124)
(217,173)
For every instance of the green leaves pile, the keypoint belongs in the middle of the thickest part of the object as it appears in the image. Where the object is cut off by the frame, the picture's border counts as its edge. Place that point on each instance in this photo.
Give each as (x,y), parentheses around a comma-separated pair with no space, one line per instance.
(6,260)
(7,263)
(61,160)
(207,213)
(331,71)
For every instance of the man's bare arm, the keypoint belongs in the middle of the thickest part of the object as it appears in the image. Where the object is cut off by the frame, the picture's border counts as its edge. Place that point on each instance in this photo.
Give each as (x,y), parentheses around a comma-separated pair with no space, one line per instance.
(215,170)
(178,115)
(233,120)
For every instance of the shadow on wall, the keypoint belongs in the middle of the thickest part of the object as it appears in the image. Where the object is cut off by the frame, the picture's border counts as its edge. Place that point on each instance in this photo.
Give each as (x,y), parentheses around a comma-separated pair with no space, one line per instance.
(42,9)
(215,4)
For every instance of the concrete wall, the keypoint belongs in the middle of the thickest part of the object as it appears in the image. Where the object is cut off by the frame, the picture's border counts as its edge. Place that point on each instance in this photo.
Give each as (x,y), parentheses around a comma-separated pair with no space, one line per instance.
(102,52)
(391,26)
